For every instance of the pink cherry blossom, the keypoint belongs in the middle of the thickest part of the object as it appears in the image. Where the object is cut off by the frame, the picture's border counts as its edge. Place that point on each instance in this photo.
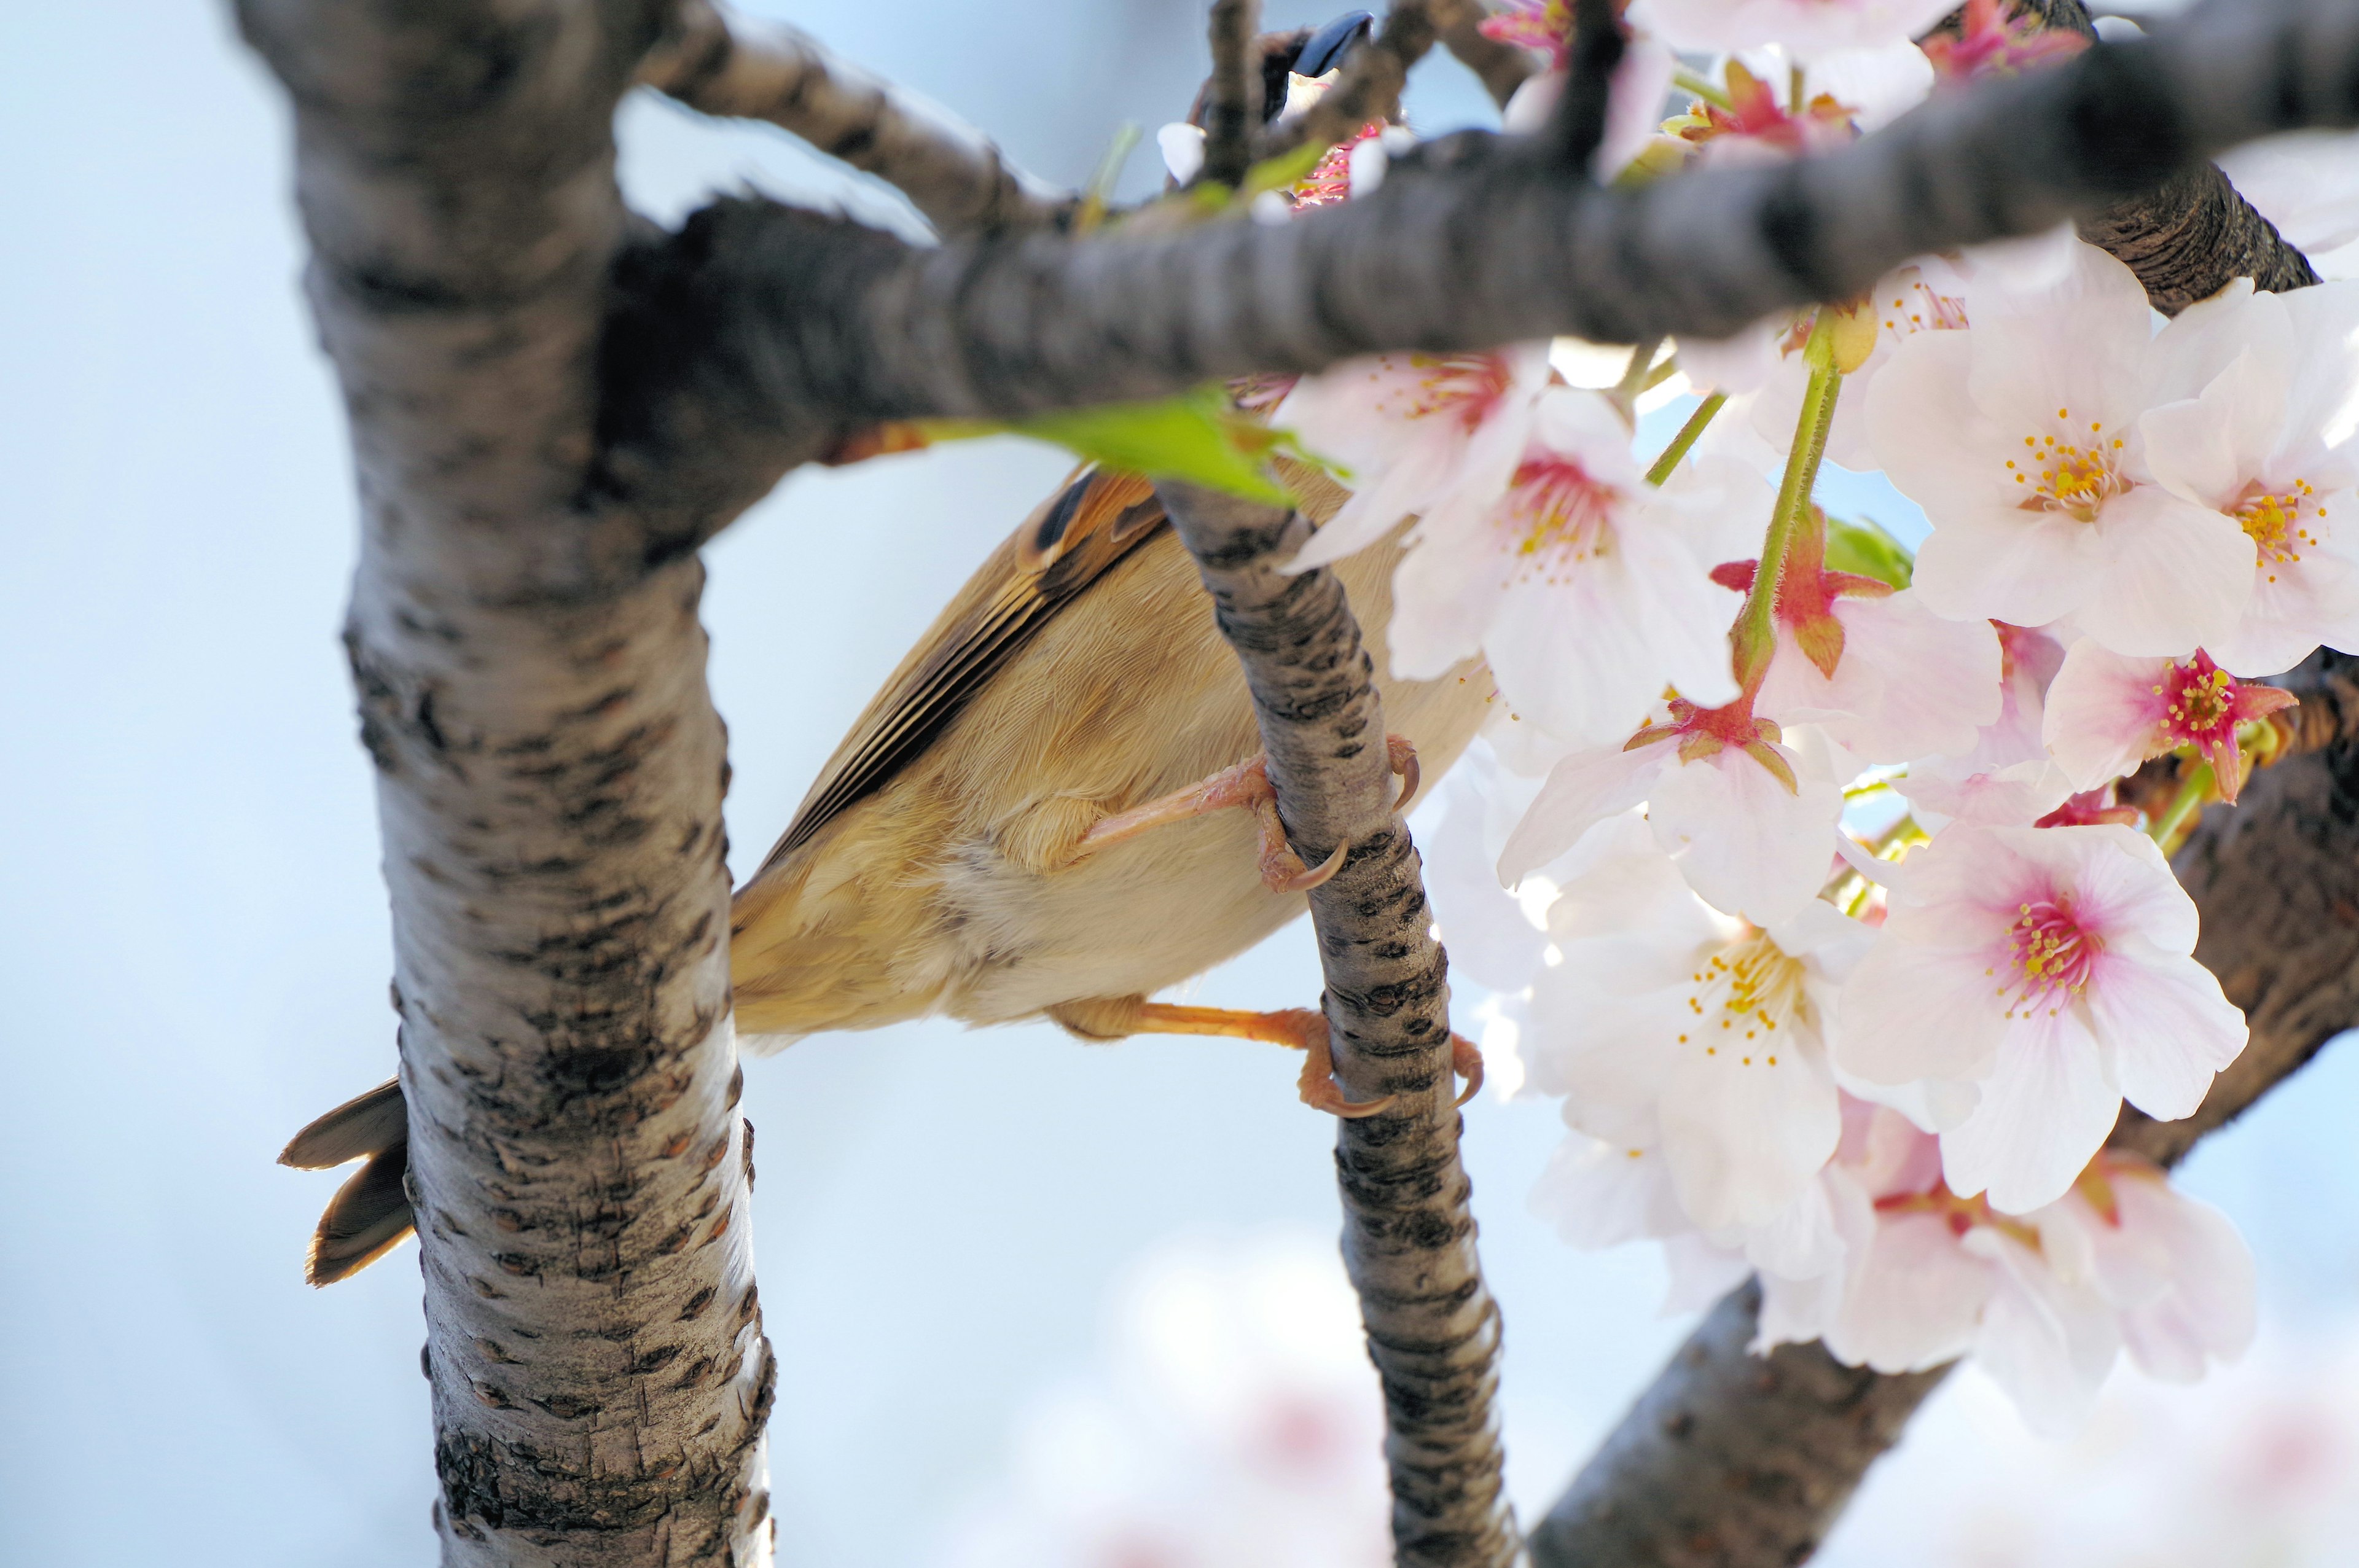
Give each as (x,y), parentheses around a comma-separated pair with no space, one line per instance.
(1414,432)
(1580,583)
(1670,1026)
(2021,438)
(2258,398)
(1998,38)
(2174,1268)
(2106,714)
(1925,296)
(2050,969)
(1748,820)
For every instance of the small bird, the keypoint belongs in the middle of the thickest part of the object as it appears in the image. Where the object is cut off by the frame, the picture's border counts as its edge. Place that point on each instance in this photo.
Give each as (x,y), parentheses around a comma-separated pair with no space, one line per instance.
(1055,808)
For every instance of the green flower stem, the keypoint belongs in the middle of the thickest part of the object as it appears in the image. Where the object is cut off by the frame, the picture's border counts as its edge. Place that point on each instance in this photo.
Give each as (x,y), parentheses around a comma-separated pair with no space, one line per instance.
(2164,829)
(1685,438)
(1754,635)
(1687,81)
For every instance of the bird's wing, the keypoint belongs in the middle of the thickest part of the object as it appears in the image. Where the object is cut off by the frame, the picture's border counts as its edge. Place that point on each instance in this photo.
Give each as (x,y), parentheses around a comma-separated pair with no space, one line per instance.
(1075,538)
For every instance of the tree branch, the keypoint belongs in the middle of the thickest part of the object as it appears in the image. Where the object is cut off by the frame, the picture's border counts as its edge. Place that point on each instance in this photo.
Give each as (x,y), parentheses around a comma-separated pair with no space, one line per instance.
(2193,235)
(1732,1460)
(1408,1238)
(549,772)
(1502,68)
(756,314)
(1370,86)
(722,64)
(1233,95)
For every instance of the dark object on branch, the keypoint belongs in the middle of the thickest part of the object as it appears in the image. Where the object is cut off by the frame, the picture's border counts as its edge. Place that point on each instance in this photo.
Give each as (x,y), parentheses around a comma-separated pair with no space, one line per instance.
(1592,52)
(1736,1461)
(1408,1238)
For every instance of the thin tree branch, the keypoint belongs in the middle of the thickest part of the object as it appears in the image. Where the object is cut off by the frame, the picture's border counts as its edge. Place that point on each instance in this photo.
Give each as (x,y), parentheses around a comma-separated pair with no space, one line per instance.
(1233,95)
(755,314)
(549,769)
(1370,87)
(722,64)
(1408,1238)
(1577,127)
(1733,1460)
(1502,68)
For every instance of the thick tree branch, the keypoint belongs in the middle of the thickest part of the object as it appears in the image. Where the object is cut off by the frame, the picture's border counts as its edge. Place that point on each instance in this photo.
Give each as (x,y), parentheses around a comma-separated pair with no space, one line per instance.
(722,64)
(1732,1460)
(756,315)
(549,769)
(2193,235)
(1408,1238)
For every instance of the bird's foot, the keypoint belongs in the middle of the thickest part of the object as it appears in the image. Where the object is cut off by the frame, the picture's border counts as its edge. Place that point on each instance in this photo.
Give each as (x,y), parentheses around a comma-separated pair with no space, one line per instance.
(1247,786)
(1303,1029)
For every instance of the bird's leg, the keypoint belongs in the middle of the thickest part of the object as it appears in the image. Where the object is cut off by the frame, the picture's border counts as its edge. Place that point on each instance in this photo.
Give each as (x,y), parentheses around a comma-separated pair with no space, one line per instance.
(1246,786)
(1304,1029)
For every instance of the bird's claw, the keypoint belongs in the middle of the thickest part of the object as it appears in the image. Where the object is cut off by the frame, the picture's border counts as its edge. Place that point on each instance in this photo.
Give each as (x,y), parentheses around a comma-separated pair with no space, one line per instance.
(1466,1062)
(1317,1085)
(1401,757)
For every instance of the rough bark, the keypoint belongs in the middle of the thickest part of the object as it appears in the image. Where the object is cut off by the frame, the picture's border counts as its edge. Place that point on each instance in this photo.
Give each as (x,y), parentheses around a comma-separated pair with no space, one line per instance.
(756,314)
(2193,235)
(1409,1236)
(549,772)
(1730,1460)
(723,64)
(1232,97)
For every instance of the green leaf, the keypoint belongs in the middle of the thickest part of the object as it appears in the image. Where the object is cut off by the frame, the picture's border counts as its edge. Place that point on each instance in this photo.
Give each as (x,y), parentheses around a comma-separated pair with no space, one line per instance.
(1196,437)
(1288,168)
(1866,549)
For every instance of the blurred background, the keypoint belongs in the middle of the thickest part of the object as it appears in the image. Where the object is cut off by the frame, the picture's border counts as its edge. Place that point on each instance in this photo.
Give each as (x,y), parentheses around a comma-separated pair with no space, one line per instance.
(1122,1340)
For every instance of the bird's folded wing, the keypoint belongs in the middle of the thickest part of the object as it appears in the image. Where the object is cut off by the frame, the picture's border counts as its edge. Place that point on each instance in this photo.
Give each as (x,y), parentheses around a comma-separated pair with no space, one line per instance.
(1075,538)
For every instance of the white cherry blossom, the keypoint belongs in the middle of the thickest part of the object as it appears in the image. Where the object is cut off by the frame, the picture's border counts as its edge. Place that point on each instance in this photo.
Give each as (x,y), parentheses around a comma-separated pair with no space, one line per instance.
(2175,1270)
(1670,1026)
(2020,436)
(1581,582)
(2264,391)
(2007,779)
(1414,432)
(1748,820)
(2051,969)
(1810,28)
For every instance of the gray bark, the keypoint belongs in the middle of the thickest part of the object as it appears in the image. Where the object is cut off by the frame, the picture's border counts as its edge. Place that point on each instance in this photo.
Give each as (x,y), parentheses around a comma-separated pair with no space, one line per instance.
(1409,1236)
(755,314)
(549,772)
(1730,1460)
(722,64)
(1232,97)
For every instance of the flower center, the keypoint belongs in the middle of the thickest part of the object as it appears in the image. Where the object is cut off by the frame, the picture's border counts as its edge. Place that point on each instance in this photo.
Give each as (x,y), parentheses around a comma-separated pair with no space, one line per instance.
(1465,386)
(2273,521)
(1558,515)
(1739,998)
(1961,1215)
(2051,957)
(2065,476)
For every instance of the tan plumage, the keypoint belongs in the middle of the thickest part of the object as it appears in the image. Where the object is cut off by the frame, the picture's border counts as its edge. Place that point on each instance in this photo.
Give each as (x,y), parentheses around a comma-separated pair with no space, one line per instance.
(949,883)
(932,867)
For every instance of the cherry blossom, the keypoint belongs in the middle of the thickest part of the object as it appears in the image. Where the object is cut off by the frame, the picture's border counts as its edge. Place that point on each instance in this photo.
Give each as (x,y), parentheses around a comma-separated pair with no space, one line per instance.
(1580,582)
(2021,438)
(1808,28)
(2107,714)
(1925,296)
(2305,184)
(1669,1025)
(1995,38)
(1415,432)
(2007,779)
(2174,1268)
(1748,820)
(1884,678)
(1633,102)
(2049,970)
(2259,399)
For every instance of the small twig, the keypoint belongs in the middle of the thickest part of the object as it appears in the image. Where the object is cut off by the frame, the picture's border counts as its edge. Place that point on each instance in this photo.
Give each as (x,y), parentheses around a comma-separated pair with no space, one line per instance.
(1408,1238)
(1370,87)
(1233,106)
(1578,127)
(722,64)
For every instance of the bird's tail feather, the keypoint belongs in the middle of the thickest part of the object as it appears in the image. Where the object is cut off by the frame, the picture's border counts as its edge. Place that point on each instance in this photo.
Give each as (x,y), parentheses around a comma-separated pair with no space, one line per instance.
(370,1215)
